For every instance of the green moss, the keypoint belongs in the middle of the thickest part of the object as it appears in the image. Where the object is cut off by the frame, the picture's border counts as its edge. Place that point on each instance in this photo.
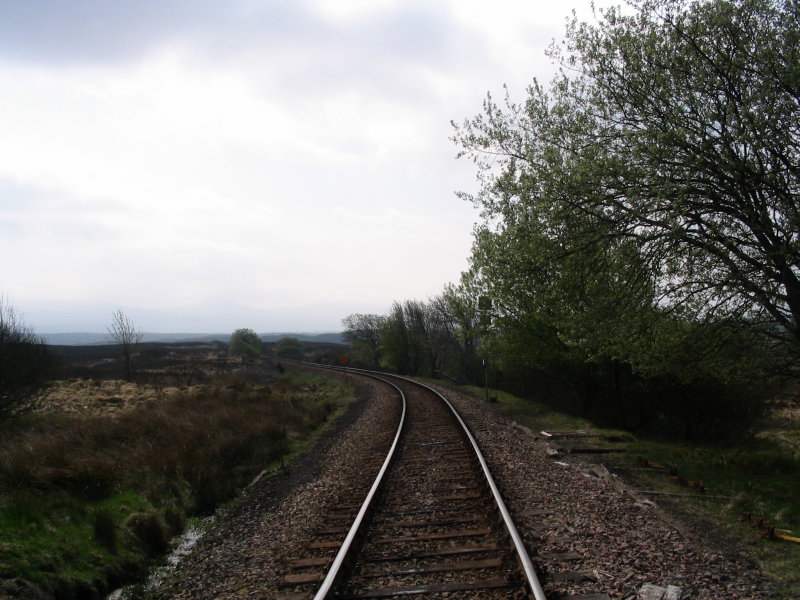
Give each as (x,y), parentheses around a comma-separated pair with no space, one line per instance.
(51,540)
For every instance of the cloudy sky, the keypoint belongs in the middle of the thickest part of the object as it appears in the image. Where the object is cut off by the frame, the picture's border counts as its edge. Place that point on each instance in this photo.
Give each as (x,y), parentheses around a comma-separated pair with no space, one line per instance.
(217,159)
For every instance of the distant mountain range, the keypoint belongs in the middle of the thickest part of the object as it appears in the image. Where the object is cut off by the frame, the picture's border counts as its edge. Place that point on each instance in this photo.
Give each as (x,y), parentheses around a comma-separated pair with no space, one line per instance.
(63,320)
(91,339)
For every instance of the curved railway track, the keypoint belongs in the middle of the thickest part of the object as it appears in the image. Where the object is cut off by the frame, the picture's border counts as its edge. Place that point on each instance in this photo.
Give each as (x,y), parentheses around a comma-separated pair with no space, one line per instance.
(431,523)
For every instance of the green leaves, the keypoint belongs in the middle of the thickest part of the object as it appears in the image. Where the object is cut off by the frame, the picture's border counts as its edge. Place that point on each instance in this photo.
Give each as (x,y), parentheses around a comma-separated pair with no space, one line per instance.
(641,214)
(245,343)
(674,130)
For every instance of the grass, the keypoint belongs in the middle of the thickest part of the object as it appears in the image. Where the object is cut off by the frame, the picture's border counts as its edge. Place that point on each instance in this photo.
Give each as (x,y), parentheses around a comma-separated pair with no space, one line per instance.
(756,477)
(50,541)
(759,475)
(87,500)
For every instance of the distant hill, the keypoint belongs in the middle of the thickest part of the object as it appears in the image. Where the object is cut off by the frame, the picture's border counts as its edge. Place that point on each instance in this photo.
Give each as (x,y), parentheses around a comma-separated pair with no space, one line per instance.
(331,338)
(92,339)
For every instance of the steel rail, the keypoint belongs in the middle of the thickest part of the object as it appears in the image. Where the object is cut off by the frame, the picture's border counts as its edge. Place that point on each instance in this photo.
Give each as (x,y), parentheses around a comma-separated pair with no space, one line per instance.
(522,552)
(523,557)
(338,562)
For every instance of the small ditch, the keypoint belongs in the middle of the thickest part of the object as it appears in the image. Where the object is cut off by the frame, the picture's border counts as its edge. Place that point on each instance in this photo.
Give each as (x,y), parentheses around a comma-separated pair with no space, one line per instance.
(182,546)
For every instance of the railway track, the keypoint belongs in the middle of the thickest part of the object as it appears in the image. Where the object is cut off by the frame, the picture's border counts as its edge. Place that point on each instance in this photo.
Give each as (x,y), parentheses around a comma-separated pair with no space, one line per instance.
(431,524)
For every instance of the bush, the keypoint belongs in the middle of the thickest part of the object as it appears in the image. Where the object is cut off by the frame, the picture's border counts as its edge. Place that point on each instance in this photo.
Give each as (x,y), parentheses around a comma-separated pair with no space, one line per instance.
(711,410)
(611,394)
(25,365)
(175,520)
(149,532)
(289,348)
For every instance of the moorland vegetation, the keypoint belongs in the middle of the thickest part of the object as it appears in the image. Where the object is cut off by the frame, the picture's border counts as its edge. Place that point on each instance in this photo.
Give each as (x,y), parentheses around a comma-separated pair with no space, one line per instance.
(97,479)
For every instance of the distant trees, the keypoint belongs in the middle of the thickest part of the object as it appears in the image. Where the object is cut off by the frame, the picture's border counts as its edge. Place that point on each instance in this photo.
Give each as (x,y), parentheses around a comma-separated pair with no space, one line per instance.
(363,333)
(245,343)
(26,364)
(289,347)
(432,338)
(124,333)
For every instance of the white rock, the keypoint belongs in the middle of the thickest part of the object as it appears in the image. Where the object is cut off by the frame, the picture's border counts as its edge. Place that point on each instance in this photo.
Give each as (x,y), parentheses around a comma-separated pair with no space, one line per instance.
(652,592)
(673,593)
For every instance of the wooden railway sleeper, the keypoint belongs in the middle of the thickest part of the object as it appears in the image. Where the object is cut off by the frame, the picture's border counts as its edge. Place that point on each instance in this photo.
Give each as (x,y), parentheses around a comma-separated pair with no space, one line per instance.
(507,533)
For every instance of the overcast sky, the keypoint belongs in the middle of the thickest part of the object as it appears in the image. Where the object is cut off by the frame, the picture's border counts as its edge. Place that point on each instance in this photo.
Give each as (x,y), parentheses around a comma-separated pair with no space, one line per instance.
(292,156)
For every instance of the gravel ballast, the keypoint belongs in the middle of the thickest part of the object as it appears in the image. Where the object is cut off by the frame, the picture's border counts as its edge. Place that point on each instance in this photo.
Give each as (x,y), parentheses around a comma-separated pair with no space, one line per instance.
(567,506)
(586,532)
(248,548)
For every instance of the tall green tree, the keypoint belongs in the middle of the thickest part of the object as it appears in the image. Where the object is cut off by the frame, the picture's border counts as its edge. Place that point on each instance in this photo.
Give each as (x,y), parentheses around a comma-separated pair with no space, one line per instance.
(416,338)
(671,140)
(640,215)
(397,347)
(455,312)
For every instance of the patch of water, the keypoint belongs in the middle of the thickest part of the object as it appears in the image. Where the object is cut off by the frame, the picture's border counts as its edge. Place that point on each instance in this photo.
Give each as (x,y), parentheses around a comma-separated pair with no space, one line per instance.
(182,547)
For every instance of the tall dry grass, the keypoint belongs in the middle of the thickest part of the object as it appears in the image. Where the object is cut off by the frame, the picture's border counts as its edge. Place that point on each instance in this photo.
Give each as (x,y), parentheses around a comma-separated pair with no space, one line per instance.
(87,500)
(196,441)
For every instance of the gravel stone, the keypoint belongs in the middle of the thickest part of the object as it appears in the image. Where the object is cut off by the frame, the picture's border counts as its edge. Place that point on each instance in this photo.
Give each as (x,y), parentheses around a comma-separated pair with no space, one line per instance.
(573,517)
(625,542)
(248,549)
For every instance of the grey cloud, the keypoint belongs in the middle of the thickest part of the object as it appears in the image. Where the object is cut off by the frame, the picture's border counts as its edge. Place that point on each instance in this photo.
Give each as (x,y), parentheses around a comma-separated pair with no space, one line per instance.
(102,31)
(378,56)
(301,54)
(109,31)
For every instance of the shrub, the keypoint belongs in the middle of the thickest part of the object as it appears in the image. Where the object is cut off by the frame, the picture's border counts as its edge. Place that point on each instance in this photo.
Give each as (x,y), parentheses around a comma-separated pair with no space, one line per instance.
(175,520)
(149,532)
(25,365)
